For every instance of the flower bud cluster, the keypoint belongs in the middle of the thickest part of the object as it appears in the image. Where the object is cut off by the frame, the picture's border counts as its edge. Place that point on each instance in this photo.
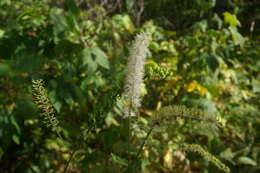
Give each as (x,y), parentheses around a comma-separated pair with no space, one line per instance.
(43,103)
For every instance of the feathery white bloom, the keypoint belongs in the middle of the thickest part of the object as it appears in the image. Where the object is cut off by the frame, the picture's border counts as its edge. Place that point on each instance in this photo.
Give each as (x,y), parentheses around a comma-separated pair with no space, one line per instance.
(135,73)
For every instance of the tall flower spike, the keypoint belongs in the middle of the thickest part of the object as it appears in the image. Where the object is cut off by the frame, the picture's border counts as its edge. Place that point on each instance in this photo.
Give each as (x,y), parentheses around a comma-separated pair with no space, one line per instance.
(198,149)
(43,103)
(135,73)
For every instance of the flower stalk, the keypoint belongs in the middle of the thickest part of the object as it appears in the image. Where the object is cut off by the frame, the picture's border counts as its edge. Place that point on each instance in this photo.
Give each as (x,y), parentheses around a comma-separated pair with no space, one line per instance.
(43,103)
(135,74)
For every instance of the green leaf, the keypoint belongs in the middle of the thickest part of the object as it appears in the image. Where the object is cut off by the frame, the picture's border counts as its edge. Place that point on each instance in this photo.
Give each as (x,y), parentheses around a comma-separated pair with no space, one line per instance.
(57,105)
(59,21)
(88,59)
(212,62)
(123,22)
(16,139)
(130,5)
(218,20)
(14,123)
(92,66)
(119,160)
(30,63)
(129,26)
(247,161)
(101,57)
(86,55)
(72,6)
(4,69)
(2,33)
(237,37)
(110,120)
(231,19)
(227,154)
(256,86)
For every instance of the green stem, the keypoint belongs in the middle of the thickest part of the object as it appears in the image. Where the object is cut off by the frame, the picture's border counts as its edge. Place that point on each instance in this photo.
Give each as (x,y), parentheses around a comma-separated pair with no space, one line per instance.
(73,152)
(68,162)
(140,148)
(129,139)
(144,141)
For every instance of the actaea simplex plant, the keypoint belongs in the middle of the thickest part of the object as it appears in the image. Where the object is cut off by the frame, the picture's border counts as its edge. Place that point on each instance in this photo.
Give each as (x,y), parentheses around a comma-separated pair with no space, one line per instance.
(132,102)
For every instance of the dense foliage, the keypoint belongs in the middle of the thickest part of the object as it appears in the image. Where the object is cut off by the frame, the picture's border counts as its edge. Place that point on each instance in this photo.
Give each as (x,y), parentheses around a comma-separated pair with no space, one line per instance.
(203,54)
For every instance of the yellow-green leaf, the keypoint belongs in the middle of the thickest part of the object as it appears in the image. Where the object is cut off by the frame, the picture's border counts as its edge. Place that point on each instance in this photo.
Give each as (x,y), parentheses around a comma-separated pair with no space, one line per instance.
(231,19)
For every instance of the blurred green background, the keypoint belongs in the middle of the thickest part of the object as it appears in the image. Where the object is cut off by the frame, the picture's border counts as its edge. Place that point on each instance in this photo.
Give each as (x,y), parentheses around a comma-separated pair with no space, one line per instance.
(203,54)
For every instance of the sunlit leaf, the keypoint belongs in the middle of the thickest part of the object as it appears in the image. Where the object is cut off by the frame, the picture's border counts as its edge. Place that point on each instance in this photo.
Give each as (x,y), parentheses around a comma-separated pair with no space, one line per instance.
(237,37)
(227,154)
(101,57)
(128,24)
(231,19)
(16,139)
(119,160)
(196,86)
(110,120)
(256,86)
(247,161)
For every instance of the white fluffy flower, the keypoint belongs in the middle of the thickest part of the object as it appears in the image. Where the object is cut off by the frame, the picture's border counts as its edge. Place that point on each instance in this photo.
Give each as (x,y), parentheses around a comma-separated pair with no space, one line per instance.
(135,73)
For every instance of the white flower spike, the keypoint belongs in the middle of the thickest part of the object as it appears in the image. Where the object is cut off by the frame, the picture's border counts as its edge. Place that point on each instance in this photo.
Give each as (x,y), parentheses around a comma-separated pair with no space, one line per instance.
(135,74)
